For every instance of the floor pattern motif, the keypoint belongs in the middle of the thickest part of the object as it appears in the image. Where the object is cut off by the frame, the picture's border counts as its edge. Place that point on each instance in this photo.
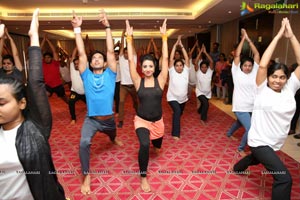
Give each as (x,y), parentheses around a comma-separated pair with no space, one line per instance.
(195,167)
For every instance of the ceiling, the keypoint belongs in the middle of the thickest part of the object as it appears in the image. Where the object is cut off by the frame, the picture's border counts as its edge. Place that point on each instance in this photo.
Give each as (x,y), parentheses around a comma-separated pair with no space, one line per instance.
(185,17)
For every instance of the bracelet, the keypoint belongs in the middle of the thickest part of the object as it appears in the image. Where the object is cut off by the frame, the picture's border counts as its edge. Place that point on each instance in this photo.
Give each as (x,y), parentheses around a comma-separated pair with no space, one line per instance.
(106,27)
(129,38)
(77,30)
(164,37)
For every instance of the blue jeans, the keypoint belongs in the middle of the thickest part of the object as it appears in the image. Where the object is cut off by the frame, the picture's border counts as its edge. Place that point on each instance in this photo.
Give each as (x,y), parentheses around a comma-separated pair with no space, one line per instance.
(177,112)
(265,155)
(243,119)
(234,127)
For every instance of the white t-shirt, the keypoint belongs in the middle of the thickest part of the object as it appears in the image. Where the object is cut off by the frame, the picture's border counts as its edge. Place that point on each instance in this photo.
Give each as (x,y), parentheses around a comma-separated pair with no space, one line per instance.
(77,84)
(203,85)
(124,69)
(192,74)
(178,85)
(13,185)
(118,77)
(65,73)
(244,88)
(272,114)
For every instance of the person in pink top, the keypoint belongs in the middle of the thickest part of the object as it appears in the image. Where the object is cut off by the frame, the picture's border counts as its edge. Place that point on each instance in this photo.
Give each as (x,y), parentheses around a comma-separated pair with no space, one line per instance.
(220,66)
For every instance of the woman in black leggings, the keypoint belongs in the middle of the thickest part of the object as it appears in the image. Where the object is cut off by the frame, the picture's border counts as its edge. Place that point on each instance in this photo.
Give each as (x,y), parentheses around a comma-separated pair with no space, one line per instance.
(148,122)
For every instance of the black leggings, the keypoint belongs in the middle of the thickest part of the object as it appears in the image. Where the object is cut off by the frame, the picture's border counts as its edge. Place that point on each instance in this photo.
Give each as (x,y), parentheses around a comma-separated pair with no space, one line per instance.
(282,184)
(144,138)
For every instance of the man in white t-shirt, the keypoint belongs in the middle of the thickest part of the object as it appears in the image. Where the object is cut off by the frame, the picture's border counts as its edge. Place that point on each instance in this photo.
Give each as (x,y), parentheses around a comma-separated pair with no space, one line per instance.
(126,82)
(77,89)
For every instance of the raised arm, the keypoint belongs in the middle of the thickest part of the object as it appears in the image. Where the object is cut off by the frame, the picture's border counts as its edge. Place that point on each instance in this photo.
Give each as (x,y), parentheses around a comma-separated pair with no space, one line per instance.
(190,53)
(74,54)
(211,62)
(199,56)
(256,56)
(53,49)
(136,79)
(163,75)
(237,56)
(185,54)
(15,52)
(288,33)
(76,23)
(148,50)
(111,60)
(38,103)
(2,27)
(43,43)
(155,49)
(121,52)
(267,55)
(172,55)
(89,47)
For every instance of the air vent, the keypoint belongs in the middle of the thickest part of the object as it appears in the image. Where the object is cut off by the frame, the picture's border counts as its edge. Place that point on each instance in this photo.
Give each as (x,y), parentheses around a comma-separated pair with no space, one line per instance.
(92,14)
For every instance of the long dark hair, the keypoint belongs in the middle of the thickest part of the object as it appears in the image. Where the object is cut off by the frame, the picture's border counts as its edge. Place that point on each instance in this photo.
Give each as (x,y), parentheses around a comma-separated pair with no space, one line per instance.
(18,89)
(245,59)
(147,57)
(277,66)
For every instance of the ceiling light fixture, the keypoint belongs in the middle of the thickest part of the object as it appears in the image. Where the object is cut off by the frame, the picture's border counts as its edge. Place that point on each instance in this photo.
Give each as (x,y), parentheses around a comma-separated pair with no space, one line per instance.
(85,1)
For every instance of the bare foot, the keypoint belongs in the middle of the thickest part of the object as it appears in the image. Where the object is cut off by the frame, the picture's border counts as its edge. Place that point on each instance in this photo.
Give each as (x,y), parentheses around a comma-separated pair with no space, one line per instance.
(242,153)
(176,138)
(118,142)
(86,185)
(145,185)
(157,150)
(203,122)
(73,122)
(233,138)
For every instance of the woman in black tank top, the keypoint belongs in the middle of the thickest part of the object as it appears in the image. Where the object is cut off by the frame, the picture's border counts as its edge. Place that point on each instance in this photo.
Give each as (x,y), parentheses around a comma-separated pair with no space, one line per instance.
(148,121)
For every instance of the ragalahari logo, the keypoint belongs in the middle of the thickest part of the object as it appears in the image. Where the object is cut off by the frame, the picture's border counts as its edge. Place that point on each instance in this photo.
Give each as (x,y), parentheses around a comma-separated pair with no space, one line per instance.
(245,9)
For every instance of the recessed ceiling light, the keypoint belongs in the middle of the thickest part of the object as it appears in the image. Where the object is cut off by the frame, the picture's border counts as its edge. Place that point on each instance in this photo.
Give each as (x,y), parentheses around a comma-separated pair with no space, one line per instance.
(209,21)
(17,28)
(49,22)
(229,12)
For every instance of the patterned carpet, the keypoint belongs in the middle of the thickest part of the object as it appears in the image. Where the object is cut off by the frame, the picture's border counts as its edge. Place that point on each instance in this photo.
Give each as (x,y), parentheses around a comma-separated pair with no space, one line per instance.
(195,167)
